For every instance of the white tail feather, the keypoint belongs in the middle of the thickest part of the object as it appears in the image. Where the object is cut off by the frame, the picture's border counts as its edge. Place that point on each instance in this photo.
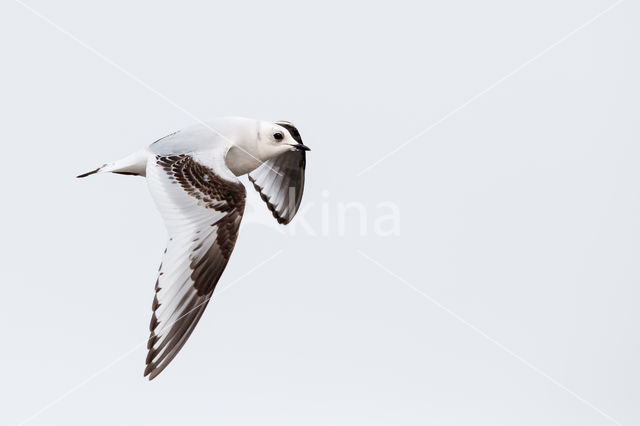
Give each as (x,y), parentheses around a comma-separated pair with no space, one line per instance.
(134,164)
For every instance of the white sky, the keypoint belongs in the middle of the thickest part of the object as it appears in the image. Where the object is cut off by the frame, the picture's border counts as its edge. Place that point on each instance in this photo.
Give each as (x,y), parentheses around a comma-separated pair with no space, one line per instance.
(519,213)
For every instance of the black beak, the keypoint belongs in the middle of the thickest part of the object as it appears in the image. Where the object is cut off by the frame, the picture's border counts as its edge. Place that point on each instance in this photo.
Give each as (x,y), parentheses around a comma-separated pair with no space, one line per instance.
(302,147)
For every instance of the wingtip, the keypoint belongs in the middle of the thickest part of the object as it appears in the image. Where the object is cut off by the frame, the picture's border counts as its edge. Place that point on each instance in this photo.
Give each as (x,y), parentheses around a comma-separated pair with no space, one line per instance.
(148,370)
(152,371)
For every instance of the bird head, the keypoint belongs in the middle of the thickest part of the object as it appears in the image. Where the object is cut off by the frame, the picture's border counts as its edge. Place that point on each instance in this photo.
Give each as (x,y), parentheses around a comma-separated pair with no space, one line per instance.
(278,137)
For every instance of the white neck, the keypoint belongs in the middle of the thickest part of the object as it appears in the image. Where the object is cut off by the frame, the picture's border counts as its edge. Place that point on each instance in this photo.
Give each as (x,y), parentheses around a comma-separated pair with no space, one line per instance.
(240,162)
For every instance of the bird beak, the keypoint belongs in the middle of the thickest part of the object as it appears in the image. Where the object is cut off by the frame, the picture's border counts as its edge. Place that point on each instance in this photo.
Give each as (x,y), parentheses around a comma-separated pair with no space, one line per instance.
(302,147)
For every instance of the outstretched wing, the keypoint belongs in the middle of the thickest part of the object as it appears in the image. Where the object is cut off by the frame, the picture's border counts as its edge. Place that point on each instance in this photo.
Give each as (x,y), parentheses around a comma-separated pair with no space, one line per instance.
(280,181)
(202,212)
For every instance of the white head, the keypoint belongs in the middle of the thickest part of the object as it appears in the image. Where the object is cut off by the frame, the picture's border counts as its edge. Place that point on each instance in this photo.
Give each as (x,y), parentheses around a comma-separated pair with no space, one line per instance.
(277,138)
(271,140)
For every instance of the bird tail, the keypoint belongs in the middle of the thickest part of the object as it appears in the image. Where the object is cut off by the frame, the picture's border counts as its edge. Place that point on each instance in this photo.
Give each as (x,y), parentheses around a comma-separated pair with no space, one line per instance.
(134,165)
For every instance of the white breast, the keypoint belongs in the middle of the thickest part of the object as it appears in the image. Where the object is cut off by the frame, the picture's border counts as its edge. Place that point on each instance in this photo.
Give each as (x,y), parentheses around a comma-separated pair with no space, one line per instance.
(240,161)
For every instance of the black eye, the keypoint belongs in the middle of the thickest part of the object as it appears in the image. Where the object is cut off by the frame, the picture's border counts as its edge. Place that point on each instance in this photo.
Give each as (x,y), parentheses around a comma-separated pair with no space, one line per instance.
(278,136)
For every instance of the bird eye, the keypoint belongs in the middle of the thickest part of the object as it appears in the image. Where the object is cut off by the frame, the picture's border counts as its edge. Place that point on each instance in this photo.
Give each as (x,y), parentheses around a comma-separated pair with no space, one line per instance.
(278,136)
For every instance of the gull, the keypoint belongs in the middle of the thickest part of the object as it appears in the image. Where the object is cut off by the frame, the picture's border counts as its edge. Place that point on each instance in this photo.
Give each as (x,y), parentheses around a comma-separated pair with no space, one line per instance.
(193,178)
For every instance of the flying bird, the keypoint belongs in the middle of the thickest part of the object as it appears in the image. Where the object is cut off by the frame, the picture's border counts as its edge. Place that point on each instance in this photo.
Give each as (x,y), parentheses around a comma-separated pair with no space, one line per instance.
(193,179)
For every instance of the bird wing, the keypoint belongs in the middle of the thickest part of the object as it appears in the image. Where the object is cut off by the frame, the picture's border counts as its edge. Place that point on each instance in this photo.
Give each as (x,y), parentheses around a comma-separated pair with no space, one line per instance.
(202,212)
(280,182)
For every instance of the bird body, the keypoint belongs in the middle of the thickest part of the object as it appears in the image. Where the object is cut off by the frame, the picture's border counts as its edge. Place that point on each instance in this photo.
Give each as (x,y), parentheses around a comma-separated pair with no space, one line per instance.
(193,178)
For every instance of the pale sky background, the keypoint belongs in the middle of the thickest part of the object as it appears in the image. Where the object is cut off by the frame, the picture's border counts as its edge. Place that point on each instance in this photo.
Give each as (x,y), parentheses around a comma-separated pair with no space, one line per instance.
(520,213)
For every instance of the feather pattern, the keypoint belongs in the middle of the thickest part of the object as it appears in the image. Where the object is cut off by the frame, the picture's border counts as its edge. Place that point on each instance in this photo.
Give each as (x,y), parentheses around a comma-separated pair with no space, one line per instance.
(280,181)
(202,212)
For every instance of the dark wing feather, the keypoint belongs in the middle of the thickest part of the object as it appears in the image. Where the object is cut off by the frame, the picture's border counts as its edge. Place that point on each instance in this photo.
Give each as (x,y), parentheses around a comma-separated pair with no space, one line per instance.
(202,212)
(280,181)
